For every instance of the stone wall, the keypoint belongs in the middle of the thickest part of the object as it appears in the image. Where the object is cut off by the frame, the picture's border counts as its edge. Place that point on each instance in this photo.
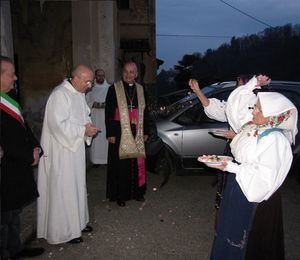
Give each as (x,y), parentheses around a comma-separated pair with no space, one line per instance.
(6,47)
(138,22)
(43,51)
(51,36)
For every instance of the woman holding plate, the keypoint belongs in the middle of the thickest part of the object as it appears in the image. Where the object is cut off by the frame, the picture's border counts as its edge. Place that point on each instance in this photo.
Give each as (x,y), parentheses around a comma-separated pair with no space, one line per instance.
(263,156)
(218,110)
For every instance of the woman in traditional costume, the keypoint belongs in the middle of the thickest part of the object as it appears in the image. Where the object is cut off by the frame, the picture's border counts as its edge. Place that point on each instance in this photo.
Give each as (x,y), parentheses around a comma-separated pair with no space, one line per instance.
(263,156)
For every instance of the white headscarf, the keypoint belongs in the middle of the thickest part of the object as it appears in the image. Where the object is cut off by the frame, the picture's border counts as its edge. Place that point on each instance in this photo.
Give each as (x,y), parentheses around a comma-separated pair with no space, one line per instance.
(274,104)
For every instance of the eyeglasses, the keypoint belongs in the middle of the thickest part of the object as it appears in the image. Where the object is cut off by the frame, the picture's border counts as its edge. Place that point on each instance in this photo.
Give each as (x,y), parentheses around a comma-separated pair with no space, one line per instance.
(86,82)
(255,108)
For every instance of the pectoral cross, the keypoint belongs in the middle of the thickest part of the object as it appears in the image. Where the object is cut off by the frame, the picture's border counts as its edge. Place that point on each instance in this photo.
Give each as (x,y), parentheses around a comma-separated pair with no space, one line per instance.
(130,98)
(131,106)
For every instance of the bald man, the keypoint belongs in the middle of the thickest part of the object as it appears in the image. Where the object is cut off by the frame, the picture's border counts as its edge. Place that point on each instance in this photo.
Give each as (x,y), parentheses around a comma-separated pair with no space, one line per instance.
(62,205)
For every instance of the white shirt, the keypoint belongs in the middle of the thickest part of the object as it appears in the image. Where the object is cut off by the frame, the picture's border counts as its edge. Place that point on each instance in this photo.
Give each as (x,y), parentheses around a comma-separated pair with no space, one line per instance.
(238,113)
(264,164)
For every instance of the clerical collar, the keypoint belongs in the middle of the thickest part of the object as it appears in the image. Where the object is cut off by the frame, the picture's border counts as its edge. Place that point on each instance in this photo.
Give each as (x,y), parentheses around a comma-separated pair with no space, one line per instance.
(127,84)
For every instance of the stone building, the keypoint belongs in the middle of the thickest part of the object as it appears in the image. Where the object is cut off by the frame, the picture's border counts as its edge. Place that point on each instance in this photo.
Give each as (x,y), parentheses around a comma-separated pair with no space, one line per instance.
(47,38)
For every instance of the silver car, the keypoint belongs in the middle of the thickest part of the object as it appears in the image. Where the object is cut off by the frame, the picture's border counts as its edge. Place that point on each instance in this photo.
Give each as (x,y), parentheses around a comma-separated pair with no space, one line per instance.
(184,130)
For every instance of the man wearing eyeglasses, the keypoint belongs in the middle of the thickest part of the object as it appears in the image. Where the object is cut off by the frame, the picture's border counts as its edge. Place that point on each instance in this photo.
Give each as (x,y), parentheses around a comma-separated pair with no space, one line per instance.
(62,205)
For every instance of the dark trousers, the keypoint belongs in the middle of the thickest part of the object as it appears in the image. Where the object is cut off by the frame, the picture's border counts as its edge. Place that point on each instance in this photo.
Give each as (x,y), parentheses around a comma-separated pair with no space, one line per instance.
(10,233)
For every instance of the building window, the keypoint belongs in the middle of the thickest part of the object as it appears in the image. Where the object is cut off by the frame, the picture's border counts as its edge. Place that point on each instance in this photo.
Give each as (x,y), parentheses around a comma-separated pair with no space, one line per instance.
(123,4)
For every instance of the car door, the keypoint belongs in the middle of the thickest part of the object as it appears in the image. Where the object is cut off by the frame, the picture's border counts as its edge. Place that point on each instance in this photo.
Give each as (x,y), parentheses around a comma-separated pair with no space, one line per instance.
(196,139)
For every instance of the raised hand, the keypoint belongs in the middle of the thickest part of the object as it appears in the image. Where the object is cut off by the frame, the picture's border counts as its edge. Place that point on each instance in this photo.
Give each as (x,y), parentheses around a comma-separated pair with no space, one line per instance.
(262,80)
(196,88)
(194,85)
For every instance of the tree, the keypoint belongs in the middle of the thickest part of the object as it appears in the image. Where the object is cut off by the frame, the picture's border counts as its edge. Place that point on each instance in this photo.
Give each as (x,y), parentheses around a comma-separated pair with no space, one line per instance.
(274,51)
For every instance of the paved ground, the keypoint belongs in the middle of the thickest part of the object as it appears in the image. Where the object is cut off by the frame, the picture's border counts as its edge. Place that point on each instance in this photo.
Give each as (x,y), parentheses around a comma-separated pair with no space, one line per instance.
(175,222)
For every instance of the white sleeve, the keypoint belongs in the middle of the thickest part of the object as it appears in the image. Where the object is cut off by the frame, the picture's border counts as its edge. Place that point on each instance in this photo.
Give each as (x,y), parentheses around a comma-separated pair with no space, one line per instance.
(66,131)
(238,104)
(88,139)
(216,110)
(261,178)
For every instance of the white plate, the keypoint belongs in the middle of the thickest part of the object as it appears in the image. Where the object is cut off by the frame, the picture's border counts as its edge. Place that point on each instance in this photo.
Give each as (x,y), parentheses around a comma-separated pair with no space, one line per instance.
(215,163)
(219,132)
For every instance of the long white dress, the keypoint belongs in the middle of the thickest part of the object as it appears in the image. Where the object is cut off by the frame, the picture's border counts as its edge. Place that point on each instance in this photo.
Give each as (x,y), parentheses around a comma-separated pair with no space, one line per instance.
(99,147)
(62,209)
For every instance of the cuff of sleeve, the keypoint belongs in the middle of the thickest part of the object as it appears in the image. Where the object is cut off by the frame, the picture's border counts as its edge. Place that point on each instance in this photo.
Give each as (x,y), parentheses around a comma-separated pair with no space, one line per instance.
(232,167)
(88,140)
(213,103)
(82,131)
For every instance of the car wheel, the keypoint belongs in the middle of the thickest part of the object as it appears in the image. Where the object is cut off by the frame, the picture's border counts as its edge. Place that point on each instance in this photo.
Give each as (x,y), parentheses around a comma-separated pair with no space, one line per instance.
(166,165)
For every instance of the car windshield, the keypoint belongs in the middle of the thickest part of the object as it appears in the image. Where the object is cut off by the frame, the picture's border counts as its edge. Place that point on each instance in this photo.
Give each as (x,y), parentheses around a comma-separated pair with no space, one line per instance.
(188,100)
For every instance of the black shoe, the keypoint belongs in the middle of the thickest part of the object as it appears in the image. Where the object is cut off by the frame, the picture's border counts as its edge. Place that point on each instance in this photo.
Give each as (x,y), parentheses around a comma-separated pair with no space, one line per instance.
(87,229)
(76,240)
(29,252)
(141,198)
(96,165)
(121,203)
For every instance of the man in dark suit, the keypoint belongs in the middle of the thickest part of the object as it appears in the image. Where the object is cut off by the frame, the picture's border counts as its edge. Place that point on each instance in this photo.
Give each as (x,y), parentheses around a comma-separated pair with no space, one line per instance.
(21,152)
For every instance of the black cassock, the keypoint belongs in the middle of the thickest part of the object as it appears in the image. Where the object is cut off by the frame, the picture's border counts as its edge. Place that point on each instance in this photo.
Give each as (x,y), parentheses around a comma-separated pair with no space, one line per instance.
(122,175)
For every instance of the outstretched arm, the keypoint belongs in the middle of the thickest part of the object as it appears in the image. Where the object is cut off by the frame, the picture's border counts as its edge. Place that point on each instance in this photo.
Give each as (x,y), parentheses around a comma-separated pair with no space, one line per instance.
(213,108)
(195,87)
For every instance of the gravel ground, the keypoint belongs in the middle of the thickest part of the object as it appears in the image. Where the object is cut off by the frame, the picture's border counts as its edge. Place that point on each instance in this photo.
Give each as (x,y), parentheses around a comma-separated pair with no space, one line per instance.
(175,222)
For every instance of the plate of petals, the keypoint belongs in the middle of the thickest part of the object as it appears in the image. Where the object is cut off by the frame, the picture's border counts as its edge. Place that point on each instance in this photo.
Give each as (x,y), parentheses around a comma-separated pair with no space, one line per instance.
(214,160)
(219,132)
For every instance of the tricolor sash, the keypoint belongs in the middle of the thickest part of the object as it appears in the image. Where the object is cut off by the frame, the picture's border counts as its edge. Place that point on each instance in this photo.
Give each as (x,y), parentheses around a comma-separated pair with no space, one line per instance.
(11,107)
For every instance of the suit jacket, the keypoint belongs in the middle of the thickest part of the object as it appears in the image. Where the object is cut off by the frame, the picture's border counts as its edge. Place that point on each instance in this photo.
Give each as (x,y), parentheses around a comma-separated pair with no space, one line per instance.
(18,186)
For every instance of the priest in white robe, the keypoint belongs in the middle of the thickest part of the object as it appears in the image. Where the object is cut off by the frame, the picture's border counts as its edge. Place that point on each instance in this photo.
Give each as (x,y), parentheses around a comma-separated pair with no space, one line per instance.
(96,101)
(62,209)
